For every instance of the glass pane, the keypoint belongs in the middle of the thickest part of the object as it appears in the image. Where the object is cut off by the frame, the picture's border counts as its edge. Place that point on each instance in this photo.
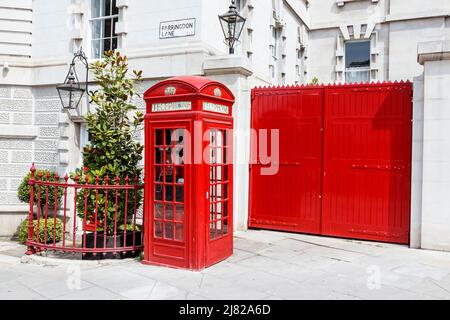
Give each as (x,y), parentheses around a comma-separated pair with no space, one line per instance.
(179,174)
(177,155)
(225,209)
(179,232)
(179,213)
(107,7)
(225,191)
(159,137)
(357,54)
(357,75)
(225,173)
(158,155)
(115,10)
(212,231)
(106,45)
(180,193)
(169,212)
(107,30)
(170,137)
(114,44)
(225,226)
(158,192)
(169,193)
(95,8)
(158,210)
(168,177)
(168,230)
(96,48)
(97,29)
(158,229)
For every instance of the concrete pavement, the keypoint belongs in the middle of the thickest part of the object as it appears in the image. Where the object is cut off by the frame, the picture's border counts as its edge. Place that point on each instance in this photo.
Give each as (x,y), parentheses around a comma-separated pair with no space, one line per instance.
(265,265)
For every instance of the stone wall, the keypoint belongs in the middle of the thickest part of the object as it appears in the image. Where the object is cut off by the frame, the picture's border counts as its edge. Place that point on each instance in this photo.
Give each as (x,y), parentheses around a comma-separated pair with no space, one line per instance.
(28,133)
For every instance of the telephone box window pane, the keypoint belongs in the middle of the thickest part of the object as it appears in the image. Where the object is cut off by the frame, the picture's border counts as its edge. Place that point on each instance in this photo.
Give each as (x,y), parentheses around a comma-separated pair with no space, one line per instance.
(169,193)
(169,137)
(159,137)
(179,213)
(225,173)
(177,155)
(179,193)
(168,230)
(225,209)
(212,230)
(158,229)
(158,192)
(169,212)
(158,156)
(159,210)
(179,232)
(225,190)
(179,174)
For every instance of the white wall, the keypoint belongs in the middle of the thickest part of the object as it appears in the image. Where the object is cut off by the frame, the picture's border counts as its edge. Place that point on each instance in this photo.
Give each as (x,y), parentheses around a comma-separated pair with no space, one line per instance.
(436,155)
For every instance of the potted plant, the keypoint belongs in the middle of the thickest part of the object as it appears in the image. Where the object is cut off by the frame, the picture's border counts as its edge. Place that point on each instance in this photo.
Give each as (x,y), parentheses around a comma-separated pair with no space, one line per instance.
(112,156)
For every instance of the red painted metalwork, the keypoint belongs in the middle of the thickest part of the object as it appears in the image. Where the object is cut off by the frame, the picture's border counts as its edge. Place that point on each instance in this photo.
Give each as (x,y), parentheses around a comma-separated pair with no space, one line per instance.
(188,166)
(74,240)
(345,160)
(290,199)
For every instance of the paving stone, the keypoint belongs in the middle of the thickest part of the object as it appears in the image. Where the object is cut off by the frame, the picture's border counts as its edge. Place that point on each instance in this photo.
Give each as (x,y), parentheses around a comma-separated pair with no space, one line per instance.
(264,266)
(56,289)
(92,293)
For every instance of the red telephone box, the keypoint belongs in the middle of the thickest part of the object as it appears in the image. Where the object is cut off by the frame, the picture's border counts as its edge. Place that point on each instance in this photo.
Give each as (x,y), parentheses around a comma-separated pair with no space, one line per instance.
(188,204)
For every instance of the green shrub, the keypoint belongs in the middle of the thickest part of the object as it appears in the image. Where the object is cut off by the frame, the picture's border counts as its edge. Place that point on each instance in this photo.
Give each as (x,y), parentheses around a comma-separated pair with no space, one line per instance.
(112,151)
(23,191)
(23,232)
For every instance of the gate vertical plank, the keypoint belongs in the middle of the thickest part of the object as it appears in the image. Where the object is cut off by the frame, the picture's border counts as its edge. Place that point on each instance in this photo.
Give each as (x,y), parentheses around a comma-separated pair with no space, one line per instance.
(290,199)
(367,162)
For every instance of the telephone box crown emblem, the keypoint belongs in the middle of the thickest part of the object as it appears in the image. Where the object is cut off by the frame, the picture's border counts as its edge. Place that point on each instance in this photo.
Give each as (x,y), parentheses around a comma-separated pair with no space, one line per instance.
(170,91)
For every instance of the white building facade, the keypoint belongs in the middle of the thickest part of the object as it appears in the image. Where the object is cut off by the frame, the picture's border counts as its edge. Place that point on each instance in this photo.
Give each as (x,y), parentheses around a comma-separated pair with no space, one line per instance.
(284,42)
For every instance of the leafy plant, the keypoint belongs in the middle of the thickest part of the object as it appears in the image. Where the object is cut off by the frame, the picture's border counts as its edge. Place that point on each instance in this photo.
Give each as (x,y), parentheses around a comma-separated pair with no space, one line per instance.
(23,191)
(314,81)
(23,231)
(113,151)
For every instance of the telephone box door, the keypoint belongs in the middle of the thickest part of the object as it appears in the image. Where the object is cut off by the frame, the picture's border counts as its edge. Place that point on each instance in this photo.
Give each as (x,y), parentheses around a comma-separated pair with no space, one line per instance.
(169,202)
(219,224)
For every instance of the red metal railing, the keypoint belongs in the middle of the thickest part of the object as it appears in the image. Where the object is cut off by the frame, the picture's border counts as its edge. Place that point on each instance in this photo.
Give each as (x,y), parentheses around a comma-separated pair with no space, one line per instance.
(96,218)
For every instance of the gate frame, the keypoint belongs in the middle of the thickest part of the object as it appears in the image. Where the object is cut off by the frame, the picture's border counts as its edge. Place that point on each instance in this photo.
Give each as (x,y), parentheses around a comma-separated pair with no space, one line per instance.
(325,95)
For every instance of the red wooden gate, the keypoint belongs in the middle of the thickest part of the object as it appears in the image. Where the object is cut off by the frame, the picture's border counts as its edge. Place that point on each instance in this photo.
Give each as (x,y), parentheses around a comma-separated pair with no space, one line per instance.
(344,160)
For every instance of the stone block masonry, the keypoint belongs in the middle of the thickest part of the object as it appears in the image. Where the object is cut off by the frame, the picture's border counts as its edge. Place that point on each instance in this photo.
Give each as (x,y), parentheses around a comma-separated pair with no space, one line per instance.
(29,133)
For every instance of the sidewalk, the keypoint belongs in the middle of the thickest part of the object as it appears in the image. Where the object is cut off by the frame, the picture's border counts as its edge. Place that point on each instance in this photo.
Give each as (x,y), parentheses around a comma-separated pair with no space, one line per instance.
(265,265)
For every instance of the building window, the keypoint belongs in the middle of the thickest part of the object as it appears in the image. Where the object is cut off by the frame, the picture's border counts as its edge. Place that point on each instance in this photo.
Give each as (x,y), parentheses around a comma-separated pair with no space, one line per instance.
(104,15)
(357,61)
(274,52)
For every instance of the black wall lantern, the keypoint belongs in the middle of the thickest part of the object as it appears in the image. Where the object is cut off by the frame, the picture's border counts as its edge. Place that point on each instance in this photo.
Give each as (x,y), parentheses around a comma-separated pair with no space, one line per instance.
(71,91)
(232,24)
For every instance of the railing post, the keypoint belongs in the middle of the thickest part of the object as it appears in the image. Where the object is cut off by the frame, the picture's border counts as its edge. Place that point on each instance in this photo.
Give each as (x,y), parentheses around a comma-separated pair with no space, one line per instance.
(30,249)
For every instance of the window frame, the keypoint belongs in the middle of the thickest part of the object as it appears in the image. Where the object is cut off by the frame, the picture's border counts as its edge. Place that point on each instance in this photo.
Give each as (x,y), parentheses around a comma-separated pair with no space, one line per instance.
(358,69)
(92,20)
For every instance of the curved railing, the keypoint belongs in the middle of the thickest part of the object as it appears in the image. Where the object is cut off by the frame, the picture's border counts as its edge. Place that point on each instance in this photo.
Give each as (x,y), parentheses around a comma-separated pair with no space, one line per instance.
(96,219)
